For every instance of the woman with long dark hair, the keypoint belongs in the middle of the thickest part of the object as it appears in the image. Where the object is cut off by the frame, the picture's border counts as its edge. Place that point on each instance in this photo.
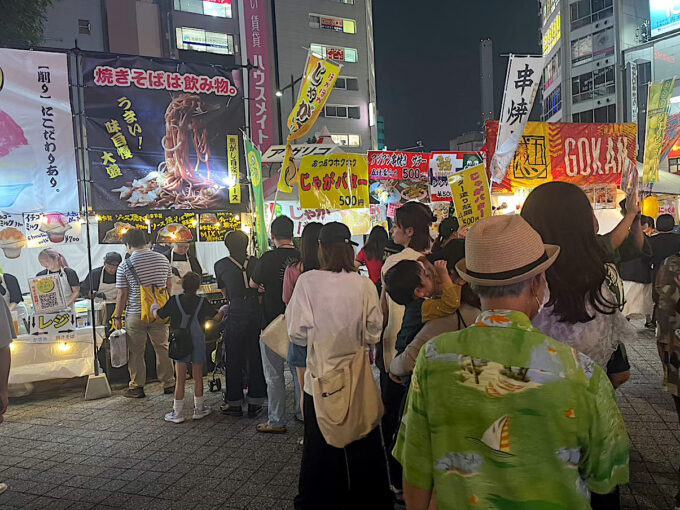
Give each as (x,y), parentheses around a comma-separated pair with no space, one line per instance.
(335,313)
(585,291)
(372,255)
(297,355)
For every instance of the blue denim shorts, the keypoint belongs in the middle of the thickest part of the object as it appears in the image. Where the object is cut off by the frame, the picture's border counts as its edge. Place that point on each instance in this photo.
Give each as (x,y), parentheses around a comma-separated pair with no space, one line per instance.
(297,356)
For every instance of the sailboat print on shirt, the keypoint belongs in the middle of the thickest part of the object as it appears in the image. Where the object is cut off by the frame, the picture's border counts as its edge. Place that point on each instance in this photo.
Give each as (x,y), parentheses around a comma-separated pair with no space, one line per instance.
(497,436)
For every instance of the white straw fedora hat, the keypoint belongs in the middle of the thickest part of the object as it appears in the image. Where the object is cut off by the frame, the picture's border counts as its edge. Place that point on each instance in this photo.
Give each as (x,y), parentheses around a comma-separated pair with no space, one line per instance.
(502,250)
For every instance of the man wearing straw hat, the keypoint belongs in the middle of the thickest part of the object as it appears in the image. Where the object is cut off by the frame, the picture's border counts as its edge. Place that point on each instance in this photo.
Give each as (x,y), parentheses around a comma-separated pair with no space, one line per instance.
(500,415)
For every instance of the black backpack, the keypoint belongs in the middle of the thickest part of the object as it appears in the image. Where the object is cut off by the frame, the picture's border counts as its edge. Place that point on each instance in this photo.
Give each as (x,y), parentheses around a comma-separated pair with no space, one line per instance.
(181,343)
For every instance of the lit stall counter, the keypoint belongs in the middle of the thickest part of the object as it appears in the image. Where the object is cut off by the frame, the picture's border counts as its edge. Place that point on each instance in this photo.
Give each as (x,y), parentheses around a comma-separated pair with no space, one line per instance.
(55,348)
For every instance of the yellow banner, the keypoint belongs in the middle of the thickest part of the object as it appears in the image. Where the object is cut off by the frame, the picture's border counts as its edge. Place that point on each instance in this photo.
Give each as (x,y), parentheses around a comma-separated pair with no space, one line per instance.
(470,190)
(336,181)
(658,101)
(234,173)
(317,84)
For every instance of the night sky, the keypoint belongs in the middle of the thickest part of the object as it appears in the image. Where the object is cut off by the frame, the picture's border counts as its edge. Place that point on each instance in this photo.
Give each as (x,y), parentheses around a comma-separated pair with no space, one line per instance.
(427,63)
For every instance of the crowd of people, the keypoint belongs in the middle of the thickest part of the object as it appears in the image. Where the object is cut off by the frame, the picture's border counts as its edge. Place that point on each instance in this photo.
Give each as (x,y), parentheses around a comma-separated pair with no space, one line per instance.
(478,369)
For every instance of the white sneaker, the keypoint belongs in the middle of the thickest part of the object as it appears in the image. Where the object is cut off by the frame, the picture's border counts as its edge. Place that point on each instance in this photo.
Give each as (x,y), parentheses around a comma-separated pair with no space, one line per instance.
(174,417)
(202,412)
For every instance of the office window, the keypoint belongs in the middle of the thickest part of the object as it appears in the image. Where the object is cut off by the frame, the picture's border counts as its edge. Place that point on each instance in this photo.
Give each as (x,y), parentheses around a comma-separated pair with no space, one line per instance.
(197,39)
(206,7)
(582,87)
(84,26)
(582,50)
(333,53)
(348,140)
(603,43)
(351,2)
(553,103)
(674,165)
(551,70)
(605,114)
(603,82)
(584,12)
(547,8)
(347,83)
(348,26)
(342,111)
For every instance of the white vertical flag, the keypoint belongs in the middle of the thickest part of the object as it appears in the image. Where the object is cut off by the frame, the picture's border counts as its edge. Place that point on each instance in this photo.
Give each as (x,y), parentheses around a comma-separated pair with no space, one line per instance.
(521,85)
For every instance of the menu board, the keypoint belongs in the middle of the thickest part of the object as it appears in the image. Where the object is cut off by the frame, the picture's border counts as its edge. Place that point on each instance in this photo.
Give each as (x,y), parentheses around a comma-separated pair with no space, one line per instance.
(212,227)
(162,226)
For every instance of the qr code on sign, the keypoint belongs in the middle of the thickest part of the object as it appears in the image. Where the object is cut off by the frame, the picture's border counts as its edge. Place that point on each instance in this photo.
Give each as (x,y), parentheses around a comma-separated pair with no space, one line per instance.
(48,301)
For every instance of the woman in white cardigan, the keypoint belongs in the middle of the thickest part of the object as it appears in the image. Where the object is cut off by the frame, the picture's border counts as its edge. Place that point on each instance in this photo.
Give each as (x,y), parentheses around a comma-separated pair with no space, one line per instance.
(335,312)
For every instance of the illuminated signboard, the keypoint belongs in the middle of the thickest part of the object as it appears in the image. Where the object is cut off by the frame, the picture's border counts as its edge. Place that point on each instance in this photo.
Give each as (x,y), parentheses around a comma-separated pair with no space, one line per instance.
(548,8)
(552,35)
(664,16)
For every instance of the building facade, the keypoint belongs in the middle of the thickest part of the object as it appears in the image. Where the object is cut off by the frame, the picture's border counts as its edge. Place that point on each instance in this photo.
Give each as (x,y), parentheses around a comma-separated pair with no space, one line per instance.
(341,30)
(583,41)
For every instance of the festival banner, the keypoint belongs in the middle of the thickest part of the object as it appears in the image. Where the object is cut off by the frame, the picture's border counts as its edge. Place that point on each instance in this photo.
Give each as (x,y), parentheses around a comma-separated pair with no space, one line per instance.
(318,82)
(254,162)
(445,164)
(400,166)
(359,221)
(37,156)
(263,116)
(658,102)
(162,226)
(521,84)
(583,154)
(338,181)
(157,133)
(234,171)
(672,137)
(470,190)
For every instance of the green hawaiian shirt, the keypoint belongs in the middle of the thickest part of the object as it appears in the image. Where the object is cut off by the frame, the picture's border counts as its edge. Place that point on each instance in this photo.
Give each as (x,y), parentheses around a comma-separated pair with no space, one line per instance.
(501,416)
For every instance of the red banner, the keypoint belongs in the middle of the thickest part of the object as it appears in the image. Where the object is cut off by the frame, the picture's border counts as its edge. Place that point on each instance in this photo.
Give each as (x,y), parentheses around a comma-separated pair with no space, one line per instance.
(400,166)
(583,154)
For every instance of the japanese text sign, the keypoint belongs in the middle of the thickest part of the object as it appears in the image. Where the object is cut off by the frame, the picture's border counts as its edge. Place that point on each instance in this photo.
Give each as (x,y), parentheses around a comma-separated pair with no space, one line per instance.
(521,85)
(112,225)
(52,323)
(658,102)
(213,227)
(157,133)
(318,82)
(52,228)
(358,220)
(582,154)
(402,166)
(338,181)
(470,190)
(234,171)
(444,164)
(46,293)
(37,160)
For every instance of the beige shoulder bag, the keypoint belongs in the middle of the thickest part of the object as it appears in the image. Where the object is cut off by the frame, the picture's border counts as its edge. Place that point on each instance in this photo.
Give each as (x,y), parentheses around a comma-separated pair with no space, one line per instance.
(347,399)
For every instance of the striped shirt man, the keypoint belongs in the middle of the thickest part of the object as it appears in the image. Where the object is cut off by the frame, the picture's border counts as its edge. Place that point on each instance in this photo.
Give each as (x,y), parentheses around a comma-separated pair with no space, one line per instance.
(153,269)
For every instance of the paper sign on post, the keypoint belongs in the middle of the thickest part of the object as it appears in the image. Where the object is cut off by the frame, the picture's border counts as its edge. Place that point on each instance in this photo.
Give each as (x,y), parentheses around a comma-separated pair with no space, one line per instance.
(470,190)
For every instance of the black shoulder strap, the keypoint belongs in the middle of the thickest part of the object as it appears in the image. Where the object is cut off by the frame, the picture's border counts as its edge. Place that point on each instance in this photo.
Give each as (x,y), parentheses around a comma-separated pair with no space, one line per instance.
(460,320)
(133,271)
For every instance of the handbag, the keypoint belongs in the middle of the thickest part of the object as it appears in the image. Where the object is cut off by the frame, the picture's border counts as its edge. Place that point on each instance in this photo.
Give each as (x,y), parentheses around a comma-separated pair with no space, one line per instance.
(275,336)
(148,295)
(181,343)
(347,399)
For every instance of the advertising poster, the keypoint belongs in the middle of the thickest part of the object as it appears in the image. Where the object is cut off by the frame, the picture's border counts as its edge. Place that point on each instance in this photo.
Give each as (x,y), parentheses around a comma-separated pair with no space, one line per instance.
(583,154)
(470,190)
(162,226)
(445,164)
(157,132)
(212,227)
(37,156)
(664,16)
(318,82)
(338,181)
(658,103)
(358,220)
(400,166)
(521,84)
(43,230)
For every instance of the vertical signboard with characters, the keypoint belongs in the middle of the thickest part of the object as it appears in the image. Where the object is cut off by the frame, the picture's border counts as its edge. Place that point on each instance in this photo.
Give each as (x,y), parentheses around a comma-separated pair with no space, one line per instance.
(470,190)
(157,132)
(37,160)
(445,164)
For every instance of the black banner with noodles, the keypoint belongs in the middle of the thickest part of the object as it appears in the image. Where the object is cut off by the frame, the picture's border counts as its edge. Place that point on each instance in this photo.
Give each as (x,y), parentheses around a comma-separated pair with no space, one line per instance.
(157,133)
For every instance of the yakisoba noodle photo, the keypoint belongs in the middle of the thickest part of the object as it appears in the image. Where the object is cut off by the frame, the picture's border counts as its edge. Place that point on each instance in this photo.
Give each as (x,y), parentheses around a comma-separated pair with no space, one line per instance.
(179,183)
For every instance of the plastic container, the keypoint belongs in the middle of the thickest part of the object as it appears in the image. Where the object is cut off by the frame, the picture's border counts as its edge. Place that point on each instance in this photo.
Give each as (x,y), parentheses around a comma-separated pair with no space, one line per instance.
(118,345)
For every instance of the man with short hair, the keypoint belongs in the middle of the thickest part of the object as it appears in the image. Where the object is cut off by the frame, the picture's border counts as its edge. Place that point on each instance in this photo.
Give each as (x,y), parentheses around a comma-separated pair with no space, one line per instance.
(499,415)
(7,334)
(102,280)
(269,273)
(152,269)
